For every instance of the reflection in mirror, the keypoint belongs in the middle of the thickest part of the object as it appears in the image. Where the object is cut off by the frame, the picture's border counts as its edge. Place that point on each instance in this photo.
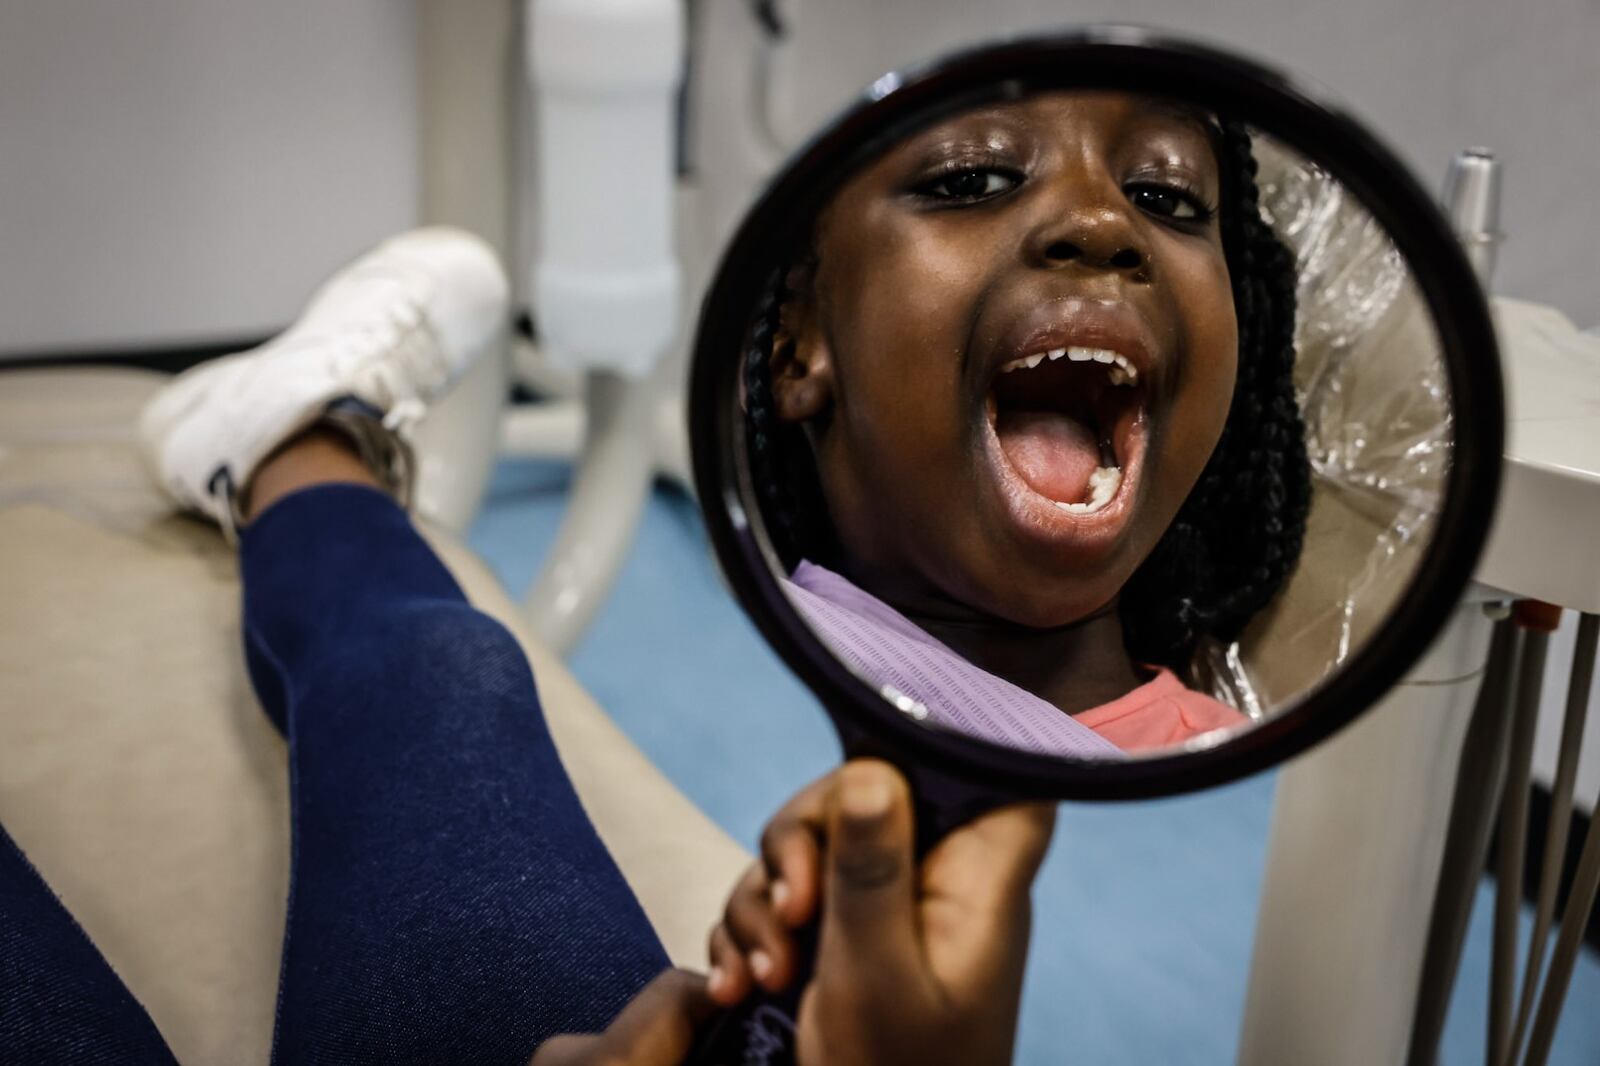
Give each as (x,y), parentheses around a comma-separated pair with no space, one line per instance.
(1091,425)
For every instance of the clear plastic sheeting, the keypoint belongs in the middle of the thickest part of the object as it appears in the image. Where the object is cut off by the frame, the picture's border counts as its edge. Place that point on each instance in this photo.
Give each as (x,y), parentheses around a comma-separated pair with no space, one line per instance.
(1373,392)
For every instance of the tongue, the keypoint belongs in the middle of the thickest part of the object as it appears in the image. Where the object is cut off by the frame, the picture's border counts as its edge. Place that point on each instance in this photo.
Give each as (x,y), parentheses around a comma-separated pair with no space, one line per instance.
(1054,453)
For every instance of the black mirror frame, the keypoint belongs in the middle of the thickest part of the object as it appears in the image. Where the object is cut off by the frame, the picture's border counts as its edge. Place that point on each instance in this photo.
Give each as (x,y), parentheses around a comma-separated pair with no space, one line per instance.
(1129,59)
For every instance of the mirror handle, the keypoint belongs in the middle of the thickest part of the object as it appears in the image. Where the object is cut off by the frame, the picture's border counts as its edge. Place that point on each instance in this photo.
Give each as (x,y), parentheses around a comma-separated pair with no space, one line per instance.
(761,1030)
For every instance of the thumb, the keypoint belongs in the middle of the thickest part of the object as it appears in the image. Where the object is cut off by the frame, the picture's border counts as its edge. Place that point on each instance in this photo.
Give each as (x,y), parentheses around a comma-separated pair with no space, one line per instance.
(870,900)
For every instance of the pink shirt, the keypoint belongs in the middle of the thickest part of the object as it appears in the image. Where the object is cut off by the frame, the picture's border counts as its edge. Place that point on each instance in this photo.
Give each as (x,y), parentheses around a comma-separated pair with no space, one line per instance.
(946,690)
(1158,713)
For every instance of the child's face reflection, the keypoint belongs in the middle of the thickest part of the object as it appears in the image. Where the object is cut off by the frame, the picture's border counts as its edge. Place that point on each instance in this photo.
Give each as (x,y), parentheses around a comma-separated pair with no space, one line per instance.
(1078,221)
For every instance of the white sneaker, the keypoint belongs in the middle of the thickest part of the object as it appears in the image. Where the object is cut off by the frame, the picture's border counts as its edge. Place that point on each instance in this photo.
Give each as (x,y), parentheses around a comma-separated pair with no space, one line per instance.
(393,330)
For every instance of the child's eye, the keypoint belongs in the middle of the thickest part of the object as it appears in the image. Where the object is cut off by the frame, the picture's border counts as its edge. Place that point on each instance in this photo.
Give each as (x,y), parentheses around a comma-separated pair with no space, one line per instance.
(1168,202)
(968,185)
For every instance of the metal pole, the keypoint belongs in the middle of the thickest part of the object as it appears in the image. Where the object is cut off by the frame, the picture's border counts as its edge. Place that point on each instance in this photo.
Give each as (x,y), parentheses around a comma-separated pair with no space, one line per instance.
(1586,882)
(1560,821)
(1579,904)
(1537,620)
(1477,793)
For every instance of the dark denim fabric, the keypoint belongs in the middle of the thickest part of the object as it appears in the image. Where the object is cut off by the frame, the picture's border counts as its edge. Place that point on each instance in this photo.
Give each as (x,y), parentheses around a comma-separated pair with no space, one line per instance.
(449,900)
(59,1001)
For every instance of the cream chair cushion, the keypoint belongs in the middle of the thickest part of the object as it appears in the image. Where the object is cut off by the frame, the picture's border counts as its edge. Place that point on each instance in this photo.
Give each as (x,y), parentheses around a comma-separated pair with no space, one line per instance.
(136,770)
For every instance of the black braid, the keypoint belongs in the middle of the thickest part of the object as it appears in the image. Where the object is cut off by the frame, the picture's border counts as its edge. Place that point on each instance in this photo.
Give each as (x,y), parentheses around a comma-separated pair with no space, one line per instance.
(1238,535)
(793,508)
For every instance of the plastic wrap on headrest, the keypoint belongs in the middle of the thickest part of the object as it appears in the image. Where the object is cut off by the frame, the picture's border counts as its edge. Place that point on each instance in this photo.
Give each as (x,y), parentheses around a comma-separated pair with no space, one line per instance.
(1376,405)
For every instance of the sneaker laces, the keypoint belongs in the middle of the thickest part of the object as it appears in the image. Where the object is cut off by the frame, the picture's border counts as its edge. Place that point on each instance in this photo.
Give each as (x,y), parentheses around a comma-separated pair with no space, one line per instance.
(403,417)
(411,354)
(388,348)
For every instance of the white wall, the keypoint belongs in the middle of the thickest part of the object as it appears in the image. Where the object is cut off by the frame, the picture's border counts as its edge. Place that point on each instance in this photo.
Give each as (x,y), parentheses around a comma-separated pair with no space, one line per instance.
(182,170)
(1431,76)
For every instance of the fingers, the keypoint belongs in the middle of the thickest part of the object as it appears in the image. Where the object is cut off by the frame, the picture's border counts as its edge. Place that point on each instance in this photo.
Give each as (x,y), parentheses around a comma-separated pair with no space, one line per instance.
(752,944)
(792,853)
(870,912)
(780,893)
(753,923)
(730,979)
(666,1011)
(656,1028)
(568,1049)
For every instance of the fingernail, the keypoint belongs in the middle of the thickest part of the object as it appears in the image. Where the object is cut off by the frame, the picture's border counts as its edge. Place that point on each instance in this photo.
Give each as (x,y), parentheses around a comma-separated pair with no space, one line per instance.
(716,981)
(865,792)
(780,895)
(760,964)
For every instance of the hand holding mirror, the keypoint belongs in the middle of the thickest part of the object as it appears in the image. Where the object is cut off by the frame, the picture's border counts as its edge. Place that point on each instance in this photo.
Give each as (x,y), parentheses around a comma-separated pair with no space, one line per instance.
(1093,416)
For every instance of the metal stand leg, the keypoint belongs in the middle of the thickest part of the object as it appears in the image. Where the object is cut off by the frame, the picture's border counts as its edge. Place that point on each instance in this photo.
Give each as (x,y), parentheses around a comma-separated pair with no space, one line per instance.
(1495,768)
(1560,821)
(1477,793)
(1579,905)
(1537,620)
(1581,899)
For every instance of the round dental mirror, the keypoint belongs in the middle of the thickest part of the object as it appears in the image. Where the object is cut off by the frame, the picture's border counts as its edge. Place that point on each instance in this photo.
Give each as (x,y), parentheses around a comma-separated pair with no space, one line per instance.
(1095,416)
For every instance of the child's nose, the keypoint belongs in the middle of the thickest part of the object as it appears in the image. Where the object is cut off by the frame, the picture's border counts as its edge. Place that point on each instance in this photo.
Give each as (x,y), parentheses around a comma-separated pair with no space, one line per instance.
(1093,233)
(1126,258)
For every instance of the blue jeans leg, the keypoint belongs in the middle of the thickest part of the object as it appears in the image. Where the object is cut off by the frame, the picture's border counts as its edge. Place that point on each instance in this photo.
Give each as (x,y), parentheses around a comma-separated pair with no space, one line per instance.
(60,1002)
(449,900)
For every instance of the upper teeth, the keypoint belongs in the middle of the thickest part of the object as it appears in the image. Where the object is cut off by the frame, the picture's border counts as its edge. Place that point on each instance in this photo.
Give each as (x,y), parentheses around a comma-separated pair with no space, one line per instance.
(1121,371)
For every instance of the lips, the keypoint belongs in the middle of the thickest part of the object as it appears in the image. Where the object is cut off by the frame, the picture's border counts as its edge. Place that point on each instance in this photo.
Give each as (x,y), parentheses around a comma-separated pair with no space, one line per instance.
(1066,407)
(1097,325)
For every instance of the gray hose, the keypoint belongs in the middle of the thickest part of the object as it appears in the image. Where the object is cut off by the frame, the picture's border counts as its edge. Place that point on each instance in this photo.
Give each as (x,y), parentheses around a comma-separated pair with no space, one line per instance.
(612,483)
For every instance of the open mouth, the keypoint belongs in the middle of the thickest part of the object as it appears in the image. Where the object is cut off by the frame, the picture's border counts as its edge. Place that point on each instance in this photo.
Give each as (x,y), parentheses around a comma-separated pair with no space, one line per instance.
(1069,423)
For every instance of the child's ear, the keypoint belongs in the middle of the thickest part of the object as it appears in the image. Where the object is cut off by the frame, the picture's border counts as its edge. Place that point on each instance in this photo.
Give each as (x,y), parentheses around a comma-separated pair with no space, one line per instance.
(802,367)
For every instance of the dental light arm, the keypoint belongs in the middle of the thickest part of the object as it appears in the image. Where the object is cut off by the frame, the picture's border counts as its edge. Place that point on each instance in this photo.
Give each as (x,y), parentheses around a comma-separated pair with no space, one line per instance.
(606,279)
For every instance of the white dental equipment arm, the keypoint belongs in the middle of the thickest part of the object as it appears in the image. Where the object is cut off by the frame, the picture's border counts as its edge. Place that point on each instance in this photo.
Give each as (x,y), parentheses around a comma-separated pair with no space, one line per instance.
(606,279)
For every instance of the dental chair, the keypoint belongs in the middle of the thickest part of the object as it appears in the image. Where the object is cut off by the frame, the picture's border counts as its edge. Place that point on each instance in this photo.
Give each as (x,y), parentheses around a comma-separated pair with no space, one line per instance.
(1359,823)
(136,770)
(1379,836)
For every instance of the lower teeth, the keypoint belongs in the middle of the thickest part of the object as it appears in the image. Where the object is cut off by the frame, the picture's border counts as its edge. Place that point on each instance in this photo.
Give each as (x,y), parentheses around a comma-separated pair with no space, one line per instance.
(1103,485)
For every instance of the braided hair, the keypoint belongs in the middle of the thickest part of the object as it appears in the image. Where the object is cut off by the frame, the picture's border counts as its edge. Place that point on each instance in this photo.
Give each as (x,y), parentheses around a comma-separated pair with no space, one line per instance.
(1237,537)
